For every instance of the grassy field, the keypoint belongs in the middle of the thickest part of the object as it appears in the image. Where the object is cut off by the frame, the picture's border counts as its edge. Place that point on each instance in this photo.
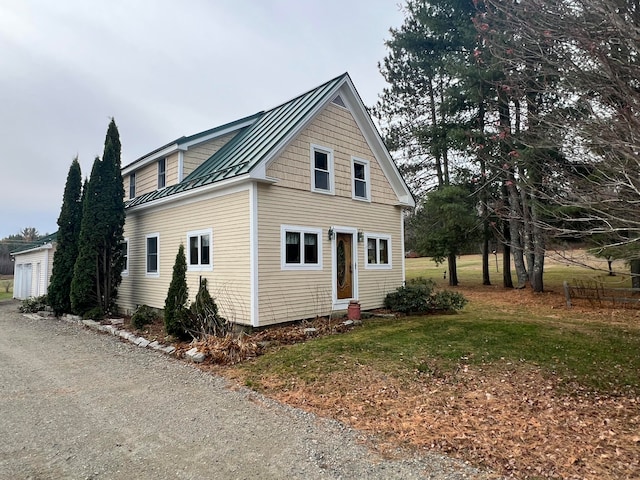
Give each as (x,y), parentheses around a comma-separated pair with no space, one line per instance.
(511,344)
(6,288)
(587,349)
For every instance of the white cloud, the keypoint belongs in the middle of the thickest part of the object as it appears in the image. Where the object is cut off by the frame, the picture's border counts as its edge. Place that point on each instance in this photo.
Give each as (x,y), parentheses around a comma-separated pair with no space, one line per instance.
(163,69)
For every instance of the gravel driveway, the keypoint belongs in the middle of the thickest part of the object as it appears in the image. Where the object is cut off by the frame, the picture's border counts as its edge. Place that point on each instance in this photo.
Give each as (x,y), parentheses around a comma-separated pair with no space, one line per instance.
(81,405)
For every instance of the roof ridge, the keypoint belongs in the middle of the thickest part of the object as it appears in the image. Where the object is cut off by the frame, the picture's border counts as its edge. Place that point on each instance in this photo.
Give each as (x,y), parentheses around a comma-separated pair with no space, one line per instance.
(345,74)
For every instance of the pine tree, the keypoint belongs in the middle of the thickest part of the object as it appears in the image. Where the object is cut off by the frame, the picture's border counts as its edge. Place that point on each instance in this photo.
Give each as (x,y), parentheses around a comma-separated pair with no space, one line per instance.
(175,306)
(69,221)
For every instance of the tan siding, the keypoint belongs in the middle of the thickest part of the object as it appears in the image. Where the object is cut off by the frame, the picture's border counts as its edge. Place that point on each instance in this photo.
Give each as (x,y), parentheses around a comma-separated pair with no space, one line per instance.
(229,282)
(195,156)
(290,295)
(172,169)
(335,128)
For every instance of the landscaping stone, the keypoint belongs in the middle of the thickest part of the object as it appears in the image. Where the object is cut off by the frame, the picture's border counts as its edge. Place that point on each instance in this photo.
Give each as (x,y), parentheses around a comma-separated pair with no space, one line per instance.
(348,323)
(142,342)
(111,329)
(309,331)
(91,324)
(117,321)
(154,345)
(169,349)
(194,355)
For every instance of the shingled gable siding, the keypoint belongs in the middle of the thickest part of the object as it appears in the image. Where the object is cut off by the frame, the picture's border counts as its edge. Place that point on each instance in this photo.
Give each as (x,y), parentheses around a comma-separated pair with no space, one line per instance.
(196,155)
(335,128)
(289,295)
(229,281)
(286,295)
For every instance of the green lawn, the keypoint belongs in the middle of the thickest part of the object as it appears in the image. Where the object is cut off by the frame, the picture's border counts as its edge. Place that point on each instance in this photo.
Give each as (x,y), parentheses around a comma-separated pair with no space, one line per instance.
(596,355)
(6,289)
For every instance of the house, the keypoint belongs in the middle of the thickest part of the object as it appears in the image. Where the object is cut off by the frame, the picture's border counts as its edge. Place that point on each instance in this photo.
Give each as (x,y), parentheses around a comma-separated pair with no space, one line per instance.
(289,213)
(33,264)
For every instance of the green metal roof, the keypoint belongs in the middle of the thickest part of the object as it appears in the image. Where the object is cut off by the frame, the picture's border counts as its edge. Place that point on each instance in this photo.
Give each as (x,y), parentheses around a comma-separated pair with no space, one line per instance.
(36,243)
(251,145)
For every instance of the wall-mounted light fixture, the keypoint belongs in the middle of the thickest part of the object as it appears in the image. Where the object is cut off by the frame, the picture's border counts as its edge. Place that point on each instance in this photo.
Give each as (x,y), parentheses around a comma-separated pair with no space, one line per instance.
(360,236)
(330,233)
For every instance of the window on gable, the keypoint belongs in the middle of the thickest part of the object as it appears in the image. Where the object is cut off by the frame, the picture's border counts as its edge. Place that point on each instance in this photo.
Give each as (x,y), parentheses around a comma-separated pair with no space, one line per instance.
(199,252)
(378,251)
(153,255)
(301,248)
(125,255)
(361,184)
(162,173)
(321,169)
(132,185)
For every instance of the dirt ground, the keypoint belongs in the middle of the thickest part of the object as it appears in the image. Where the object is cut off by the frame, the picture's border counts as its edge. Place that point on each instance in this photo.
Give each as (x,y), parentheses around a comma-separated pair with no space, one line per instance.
(508,418)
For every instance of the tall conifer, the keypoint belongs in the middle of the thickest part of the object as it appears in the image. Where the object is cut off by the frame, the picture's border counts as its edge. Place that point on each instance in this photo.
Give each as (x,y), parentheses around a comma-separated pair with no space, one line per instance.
(84,287)
(69,221)
(98,269)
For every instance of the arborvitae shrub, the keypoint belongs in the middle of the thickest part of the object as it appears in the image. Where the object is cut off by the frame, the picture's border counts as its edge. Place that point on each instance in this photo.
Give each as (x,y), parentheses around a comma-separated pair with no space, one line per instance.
(144,315)
(204,317)
(175,306)
(96,313)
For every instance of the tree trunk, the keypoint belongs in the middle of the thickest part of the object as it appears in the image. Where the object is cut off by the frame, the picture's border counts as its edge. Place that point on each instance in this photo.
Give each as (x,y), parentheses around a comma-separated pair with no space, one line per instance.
(515,222)
(635,273)
(538,257)
(453,270)
(507,281)
(434,123)
(484,201)
(486,280)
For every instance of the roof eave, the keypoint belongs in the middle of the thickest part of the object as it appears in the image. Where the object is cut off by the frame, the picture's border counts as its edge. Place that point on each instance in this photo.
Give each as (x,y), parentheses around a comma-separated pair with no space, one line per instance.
(46,246)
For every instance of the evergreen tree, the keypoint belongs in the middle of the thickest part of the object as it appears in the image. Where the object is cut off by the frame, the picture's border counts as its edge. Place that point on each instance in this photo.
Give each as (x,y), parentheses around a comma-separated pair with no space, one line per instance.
(446,222)
(98,269)
(69,221)
(84,293)
(111,261)
(175,306)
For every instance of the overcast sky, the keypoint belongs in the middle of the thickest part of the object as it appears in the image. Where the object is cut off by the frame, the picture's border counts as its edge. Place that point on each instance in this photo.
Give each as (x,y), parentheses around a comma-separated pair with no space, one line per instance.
(162,69)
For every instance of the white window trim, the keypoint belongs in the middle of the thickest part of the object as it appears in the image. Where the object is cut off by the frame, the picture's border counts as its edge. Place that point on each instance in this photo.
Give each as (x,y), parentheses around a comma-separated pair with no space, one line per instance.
(377,265)
(146,255)
(312,158)
(367,178)
(200,233)
(283,248)
(164,173)
(125,270)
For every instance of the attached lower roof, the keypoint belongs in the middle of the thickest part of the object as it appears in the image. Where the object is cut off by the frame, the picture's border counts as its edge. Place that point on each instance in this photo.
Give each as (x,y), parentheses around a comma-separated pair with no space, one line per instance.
(36,244)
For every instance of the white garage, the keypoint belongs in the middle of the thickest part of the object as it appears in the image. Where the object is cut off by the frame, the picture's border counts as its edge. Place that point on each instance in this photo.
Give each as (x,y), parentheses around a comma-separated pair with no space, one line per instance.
(32,268)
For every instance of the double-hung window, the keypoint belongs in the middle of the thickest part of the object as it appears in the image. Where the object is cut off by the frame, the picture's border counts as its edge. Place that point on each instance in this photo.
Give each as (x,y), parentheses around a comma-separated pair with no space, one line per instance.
(361,189)
(322,169)
(301,248)
(132,185)
(153,255)
(378,251)
(125,257)
(199,251)
(162,173)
